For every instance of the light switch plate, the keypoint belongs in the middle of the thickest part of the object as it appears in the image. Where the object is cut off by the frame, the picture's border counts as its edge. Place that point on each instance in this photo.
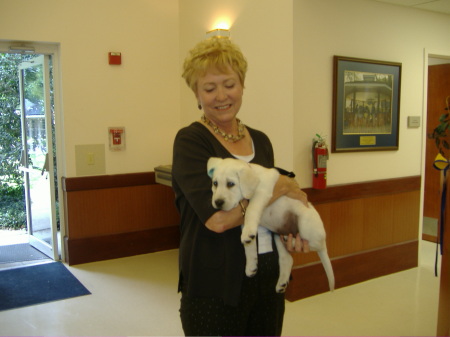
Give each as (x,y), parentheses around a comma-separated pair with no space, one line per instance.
(90,160)
(413,121)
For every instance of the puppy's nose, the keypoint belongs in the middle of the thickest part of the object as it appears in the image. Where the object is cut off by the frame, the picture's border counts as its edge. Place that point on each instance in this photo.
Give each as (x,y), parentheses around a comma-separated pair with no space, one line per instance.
(219,203)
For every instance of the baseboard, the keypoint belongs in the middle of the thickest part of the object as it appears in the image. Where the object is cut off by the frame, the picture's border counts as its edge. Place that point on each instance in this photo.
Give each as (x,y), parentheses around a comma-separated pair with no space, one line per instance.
(115,246)
(310,280)
(428,237)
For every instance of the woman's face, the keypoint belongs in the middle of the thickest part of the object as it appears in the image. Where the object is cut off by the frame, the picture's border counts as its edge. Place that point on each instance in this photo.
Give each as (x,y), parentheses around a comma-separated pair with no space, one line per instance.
(220,95)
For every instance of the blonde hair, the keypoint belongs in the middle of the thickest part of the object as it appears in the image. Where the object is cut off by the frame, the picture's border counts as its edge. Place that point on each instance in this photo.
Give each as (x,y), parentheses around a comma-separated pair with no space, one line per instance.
(215,52)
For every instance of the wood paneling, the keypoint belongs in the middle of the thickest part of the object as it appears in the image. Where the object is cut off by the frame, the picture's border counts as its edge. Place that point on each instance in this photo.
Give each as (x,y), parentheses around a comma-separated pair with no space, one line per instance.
(363,190)
(363,224)
(116,216)
(115,246)
(406,216)
(108,181)
(120,210)
(311,280)
(361,228)
(346,231)
(378,222)
(371,227)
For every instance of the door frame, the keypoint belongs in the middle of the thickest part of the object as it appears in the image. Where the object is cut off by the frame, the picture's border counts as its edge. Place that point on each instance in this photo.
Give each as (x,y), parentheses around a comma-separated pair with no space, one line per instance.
(441,324)
(52,49)
(427,55)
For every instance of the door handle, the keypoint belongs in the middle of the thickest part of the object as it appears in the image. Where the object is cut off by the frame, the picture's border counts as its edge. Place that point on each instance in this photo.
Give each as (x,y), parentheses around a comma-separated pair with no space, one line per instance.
(22,158)
(45,168)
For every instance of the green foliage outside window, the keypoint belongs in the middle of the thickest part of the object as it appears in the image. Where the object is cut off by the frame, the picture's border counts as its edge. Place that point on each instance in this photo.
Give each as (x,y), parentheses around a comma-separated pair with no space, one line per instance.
(12,205)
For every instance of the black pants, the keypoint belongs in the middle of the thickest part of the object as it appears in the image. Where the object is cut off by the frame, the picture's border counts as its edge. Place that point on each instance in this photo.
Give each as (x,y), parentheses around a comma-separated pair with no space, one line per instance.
(260,311)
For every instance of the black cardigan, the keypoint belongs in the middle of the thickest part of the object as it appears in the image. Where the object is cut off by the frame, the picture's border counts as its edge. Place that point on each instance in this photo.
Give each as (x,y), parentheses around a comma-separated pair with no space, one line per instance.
(211,264)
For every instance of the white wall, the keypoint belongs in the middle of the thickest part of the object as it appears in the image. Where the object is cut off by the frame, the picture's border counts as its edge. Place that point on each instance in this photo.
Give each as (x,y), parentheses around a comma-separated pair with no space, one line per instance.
(142,94)
(289,45)
(263,30)
(364,29)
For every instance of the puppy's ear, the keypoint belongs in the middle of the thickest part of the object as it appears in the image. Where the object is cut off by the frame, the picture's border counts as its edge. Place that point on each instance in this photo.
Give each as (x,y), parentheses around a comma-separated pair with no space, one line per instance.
(248,181)
(212,164)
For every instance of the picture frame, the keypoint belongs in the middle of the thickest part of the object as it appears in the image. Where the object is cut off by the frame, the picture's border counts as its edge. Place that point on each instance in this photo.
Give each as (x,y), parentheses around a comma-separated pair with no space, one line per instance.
(366,105)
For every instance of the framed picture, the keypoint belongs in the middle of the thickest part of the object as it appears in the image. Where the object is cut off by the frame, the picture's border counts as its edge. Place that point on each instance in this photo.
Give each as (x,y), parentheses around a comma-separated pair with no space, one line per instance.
(366,105)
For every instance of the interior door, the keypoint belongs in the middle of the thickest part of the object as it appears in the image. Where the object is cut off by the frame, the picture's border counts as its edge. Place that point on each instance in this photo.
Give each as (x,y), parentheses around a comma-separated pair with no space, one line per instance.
(37,155)
(438,90)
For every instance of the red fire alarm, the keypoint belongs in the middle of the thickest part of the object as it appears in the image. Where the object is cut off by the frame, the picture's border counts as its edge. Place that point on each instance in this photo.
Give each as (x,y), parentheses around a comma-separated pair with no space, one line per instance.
(115,58)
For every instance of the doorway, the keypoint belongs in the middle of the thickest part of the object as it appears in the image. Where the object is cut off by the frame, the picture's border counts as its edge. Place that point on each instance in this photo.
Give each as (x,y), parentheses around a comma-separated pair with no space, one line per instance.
(438,88)
(35,235)
(443,322)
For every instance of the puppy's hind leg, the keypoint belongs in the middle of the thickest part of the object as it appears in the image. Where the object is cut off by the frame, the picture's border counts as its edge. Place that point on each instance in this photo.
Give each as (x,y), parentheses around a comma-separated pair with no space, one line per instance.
(251,255)
(285,261)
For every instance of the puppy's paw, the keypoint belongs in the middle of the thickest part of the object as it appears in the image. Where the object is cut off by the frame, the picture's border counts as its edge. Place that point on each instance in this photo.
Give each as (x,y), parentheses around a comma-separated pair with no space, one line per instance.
(247,241)
(251,273)
(247,236)
(281,288)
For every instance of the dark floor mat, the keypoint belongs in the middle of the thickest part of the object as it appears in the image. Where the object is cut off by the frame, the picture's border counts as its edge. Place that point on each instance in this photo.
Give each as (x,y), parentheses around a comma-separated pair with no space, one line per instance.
(38,284)
(19,253)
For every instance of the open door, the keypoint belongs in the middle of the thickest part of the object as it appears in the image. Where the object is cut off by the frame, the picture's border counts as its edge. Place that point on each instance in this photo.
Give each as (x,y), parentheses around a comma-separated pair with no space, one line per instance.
(37,155)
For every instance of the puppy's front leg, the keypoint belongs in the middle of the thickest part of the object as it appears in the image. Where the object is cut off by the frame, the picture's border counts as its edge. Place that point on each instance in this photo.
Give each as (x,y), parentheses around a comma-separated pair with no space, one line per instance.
(285,261)
(252,218)
(251,255)
(258,201)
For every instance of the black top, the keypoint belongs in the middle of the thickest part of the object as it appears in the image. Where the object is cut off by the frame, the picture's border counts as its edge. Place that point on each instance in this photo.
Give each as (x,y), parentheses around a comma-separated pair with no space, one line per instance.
(211,264)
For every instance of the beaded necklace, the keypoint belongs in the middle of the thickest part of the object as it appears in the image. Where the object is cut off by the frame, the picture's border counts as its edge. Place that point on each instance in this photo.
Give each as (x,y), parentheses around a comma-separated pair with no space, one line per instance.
(227,136)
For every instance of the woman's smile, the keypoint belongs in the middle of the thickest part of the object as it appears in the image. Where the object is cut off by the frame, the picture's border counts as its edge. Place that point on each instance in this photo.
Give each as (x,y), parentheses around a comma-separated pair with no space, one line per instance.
(220,95)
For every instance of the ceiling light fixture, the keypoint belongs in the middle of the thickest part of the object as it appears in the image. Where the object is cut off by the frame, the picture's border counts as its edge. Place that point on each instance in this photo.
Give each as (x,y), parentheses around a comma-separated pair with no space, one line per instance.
(218,32)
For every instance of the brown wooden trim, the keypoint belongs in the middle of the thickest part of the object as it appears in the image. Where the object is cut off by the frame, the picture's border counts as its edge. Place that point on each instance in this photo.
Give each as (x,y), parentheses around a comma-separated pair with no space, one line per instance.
(331,193)
(428,237)
(311,280)
(115,246)
(107,181)
(363,189)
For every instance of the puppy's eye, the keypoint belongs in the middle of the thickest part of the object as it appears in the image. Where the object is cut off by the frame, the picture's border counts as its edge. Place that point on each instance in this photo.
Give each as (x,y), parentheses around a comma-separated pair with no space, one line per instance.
(215,183)
(230,184)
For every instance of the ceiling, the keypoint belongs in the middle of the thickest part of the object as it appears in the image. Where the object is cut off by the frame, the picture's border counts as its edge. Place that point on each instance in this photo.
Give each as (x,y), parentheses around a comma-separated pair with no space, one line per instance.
(440,6)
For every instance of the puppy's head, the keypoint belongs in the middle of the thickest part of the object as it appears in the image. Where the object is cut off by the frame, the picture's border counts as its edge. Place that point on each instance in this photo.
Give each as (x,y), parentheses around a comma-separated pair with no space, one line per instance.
(232,181)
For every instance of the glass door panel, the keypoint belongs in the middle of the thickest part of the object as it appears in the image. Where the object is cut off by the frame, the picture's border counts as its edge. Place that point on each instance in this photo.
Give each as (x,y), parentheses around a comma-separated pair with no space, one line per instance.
(37,158)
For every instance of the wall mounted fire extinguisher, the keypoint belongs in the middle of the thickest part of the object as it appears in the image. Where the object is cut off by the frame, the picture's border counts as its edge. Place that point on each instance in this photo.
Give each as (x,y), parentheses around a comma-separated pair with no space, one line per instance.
(320,157)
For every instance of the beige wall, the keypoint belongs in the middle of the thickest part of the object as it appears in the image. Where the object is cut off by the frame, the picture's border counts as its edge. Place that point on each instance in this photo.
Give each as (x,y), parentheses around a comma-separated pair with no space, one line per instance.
(263,30)
(142,94)
(364,29)
(289,45)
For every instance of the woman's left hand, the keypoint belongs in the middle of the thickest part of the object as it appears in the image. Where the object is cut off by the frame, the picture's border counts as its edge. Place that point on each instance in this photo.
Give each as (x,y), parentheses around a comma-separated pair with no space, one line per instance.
(296,244)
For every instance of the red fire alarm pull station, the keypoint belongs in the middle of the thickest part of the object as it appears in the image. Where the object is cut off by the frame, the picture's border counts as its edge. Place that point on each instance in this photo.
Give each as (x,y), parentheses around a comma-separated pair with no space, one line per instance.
(115,58)
(116,138)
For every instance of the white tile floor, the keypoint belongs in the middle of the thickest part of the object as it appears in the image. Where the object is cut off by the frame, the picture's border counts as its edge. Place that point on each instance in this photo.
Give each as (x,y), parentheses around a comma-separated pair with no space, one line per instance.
(137,296)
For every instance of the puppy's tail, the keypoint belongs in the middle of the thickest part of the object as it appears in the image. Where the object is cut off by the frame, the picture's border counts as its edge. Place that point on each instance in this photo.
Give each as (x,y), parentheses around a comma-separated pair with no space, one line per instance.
(324,258)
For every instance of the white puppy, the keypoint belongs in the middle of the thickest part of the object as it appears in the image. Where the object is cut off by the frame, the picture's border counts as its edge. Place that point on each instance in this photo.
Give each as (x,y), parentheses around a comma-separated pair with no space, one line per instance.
(234,180)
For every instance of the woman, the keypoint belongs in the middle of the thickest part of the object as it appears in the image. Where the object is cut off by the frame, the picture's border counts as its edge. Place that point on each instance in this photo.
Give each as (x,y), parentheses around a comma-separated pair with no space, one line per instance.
(217,297)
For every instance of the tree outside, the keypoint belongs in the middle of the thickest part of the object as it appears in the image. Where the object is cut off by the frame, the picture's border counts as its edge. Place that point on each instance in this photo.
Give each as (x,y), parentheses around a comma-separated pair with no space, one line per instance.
(12,204)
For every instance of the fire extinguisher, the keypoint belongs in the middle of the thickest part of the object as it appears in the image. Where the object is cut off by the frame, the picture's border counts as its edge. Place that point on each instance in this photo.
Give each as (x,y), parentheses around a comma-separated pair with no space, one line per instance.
(320,157)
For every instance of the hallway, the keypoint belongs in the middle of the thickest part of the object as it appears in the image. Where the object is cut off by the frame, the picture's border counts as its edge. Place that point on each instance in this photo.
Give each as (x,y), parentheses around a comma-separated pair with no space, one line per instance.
(137,296)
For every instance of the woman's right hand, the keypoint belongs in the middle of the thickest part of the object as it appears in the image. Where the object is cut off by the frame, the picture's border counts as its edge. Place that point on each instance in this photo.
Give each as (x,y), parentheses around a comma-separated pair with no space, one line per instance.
(297,245)
(290,188)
